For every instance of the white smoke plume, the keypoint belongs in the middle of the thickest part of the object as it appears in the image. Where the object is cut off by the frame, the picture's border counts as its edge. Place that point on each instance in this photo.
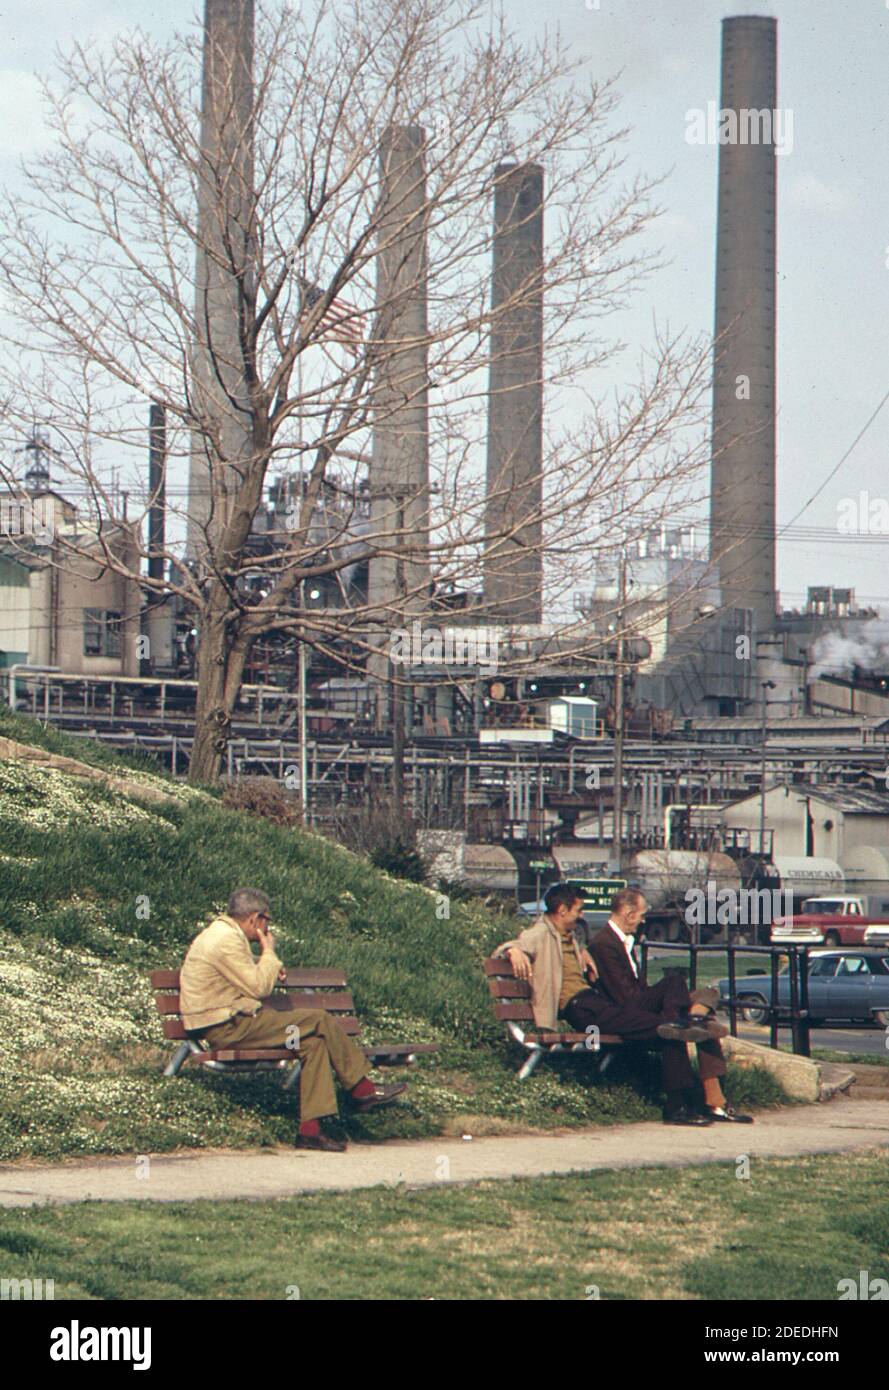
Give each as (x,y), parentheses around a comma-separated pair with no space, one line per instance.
(835,653)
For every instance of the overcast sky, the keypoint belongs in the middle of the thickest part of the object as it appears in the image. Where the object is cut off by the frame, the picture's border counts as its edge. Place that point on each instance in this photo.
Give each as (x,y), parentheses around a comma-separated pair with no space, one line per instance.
(833,215)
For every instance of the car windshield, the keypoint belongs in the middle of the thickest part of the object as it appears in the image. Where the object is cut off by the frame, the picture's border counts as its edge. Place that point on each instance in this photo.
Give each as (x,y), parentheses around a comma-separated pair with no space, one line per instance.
(823,907)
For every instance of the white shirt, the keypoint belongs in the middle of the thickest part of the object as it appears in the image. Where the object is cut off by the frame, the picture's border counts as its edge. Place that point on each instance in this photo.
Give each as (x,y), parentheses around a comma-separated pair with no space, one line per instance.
(628,942)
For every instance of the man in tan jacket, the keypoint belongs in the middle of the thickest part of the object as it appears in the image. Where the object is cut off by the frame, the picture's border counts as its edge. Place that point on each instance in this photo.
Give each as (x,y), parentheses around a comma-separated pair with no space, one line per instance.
(221,989)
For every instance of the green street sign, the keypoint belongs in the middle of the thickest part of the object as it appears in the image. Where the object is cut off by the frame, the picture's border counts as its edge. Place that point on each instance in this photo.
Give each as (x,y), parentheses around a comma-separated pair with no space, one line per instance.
(541,865)
(598,892)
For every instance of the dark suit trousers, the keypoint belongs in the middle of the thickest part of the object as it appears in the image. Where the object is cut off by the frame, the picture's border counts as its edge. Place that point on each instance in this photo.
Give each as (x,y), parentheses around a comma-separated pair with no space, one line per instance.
(637,1020)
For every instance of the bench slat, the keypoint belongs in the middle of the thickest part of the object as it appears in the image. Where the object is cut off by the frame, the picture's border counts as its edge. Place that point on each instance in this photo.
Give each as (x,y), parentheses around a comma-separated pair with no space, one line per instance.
(174,1028)
(243,1054)
(499,965)
(164,979)
(330,1003)
(568,1039)
(286,1054)
(296,979)
(313,979)
(517,1011)
(509,989)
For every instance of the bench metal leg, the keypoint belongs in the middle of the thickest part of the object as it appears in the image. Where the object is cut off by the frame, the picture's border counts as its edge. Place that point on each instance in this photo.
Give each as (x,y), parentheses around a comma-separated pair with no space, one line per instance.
(605,1062)
(176,1062)
(534,1056)
(293,1076)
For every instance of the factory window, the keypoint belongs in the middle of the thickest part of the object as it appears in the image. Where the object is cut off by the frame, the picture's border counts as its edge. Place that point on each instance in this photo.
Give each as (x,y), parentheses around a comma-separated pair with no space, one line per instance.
(101,632)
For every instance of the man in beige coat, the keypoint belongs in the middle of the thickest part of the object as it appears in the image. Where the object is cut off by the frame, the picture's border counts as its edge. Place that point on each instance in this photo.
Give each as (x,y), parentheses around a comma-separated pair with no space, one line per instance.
(221,989)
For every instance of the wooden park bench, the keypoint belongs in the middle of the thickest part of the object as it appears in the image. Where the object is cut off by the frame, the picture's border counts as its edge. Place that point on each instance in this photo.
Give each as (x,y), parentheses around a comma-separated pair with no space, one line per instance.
(304,989)
(512,1006)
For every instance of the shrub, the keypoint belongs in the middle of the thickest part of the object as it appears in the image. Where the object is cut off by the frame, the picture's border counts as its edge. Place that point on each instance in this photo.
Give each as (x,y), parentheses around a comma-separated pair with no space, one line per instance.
(261,796)
(401,860)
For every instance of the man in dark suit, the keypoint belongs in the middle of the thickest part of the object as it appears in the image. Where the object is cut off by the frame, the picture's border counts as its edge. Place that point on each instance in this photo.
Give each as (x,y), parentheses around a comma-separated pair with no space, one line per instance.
(620,1003)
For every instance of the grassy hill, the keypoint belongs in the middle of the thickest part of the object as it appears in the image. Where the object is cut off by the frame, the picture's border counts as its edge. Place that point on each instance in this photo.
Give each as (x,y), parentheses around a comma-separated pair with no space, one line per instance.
(98,889)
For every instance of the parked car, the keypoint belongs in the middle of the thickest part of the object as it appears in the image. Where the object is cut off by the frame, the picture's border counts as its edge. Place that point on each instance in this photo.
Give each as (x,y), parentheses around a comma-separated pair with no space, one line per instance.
(840,920)
(877,935)
(846,985)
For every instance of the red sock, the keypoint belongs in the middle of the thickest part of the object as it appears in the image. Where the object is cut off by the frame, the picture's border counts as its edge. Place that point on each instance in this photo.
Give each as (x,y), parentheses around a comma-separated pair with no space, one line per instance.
(364,1088)
(310,1129)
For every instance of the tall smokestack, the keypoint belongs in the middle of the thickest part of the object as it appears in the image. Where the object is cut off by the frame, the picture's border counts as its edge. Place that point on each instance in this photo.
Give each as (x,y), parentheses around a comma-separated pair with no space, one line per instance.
(159,627)
(742,530)
(513,566)
(399,469)
(225,256)
(157,489)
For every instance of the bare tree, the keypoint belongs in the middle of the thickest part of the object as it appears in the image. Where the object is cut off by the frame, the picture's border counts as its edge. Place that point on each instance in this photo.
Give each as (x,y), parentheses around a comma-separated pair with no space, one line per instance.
(250,250)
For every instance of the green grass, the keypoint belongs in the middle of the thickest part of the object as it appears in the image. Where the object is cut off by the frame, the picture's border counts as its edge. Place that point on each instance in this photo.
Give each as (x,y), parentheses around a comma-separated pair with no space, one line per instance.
(690,1233)
(711,967)
(97,891)
(24,729)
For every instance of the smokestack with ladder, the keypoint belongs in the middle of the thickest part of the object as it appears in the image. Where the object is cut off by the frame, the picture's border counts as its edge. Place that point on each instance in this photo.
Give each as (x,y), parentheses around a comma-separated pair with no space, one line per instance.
(225,261)
(398,577)
(742,518)
(399,467)
(513,565)
(157,489)
(159,615)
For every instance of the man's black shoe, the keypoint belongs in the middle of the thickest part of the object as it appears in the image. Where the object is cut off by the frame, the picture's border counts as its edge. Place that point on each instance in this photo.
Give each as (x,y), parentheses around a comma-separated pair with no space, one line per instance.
(684,1116)
(320,1141)
(383,1095)
(728,1115)
(677,1032)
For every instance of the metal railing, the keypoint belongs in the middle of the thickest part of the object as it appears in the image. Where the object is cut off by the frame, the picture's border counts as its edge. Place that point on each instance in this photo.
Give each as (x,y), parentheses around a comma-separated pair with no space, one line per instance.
(795,1009)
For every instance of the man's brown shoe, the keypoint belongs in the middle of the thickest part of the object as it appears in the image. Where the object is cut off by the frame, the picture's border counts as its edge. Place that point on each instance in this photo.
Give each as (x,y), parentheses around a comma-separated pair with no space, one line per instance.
(320,1141)
(383,1095)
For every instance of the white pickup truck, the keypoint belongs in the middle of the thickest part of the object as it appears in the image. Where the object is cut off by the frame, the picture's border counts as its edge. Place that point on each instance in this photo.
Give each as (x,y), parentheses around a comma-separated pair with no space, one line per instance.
(839,920)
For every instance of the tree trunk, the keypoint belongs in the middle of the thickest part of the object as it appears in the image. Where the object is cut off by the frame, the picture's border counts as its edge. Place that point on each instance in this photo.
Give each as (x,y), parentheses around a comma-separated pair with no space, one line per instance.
(213,707)
(223,648)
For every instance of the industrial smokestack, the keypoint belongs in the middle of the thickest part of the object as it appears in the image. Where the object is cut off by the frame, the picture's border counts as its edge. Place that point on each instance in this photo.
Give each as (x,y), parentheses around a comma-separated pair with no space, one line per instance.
(157,488)
(742,530)
(225,256)
(158,624)
(513,566)
(399,467)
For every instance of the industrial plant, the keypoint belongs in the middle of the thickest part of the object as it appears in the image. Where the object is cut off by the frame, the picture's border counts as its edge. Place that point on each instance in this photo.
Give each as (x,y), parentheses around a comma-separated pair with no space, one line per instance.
(690,731)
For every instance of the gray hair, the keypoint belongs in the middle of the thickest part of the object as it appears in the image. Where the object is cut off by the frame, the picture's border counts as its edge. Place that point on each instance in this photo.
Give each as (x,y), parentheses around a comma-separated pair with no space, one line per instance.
(245,901)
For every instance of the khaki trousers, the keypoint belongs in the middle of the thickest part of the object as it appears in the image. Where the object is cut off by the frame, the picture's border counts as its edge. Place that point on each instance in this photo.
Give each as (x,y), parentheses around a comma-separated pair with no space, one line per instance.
(322,1044)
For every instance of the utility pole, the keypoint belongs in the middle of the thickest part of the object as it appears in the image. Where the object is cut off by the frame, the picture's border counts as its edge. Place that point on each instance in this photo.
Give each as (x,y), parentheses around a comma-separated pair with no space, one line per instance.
(396,686)
(766,685)
(303,743)
(618,812)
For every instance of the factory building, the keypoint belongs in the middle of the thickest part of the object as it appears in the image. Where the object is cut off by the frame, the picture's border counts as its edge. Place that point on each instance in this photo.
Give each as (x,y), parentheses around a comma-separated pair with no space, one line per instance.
(822,822)
(71,612)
